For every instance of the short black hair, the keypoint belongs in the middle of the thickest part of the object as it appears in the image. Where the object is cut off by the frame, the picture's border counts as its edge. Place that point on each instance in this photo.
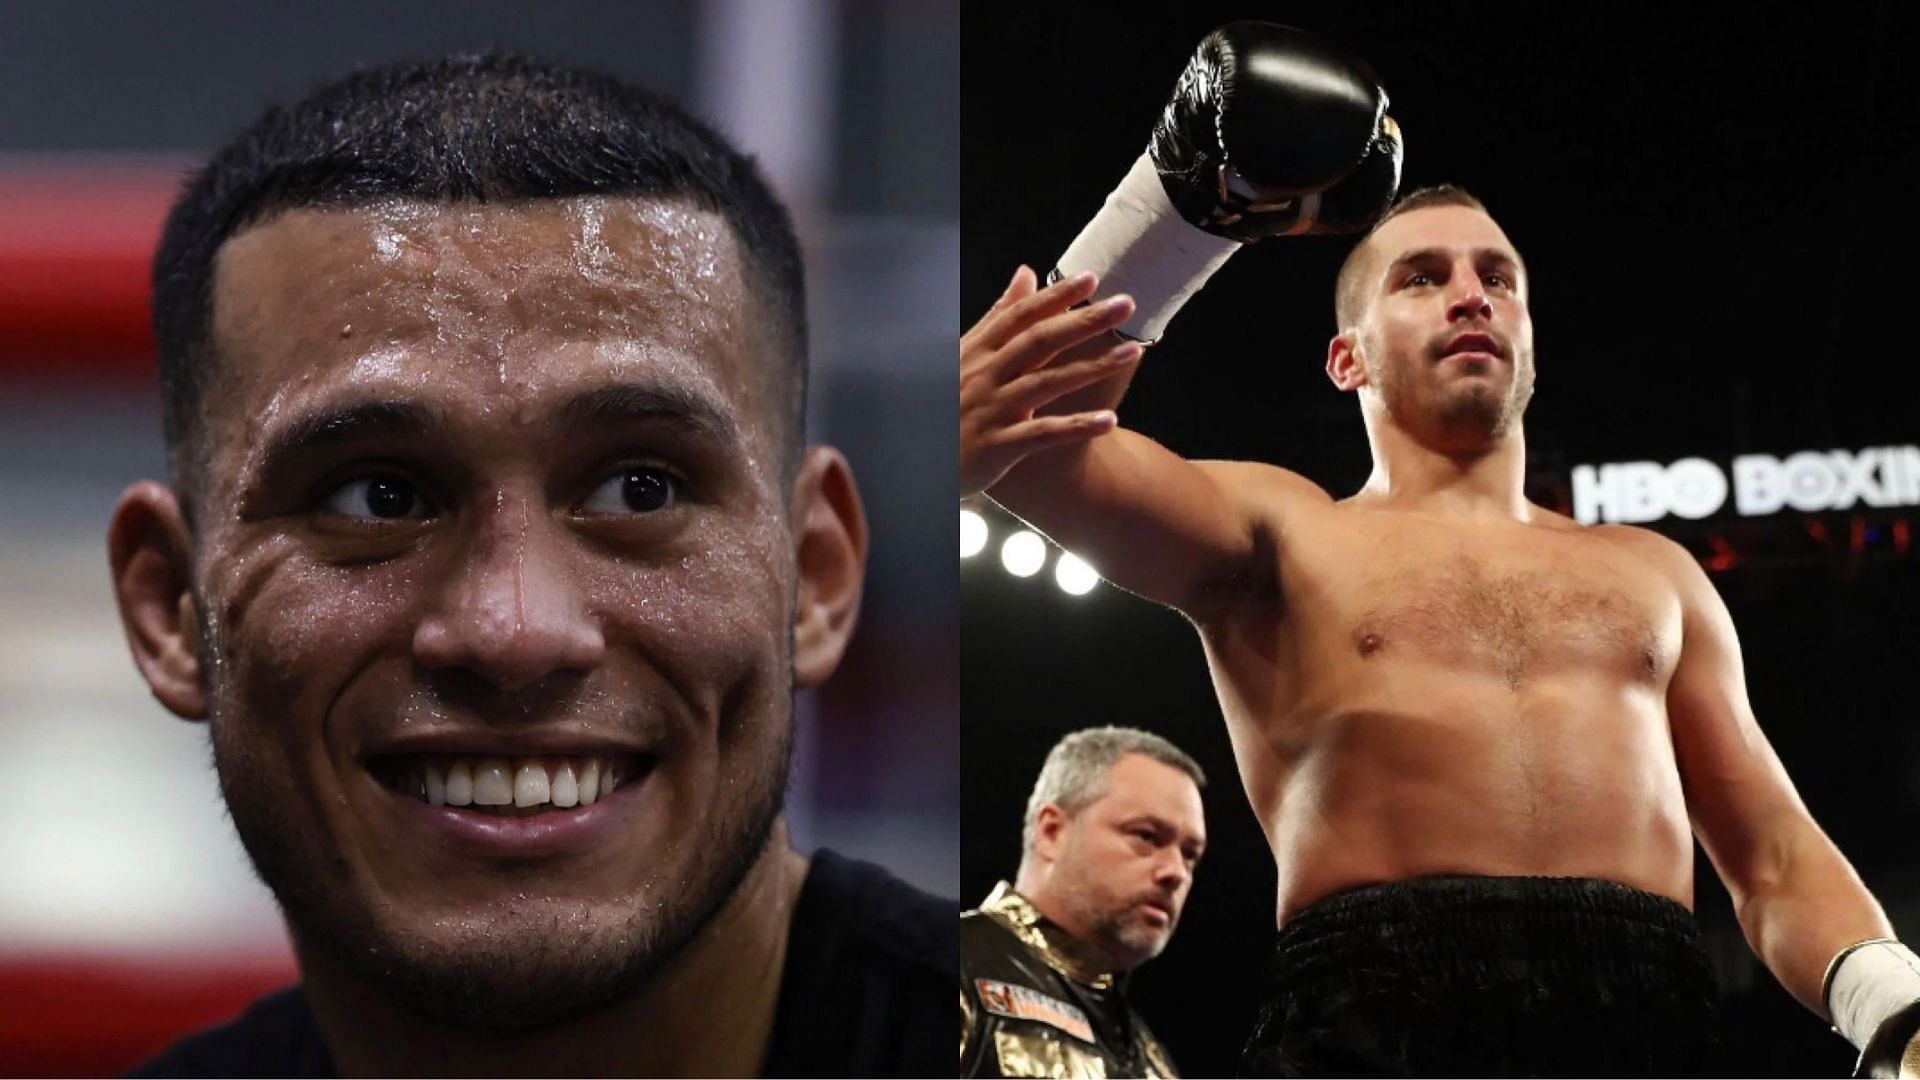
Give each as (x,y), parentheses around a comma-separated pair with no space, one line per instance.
(463,128)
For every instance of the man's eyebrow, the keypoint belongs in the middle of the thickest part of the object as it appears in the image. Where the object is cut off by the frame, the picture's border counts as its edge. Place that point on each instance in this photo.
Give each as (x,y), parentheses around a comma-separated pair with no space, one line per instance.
(1159,824)
(349,423)
(625,403)
(1430,254)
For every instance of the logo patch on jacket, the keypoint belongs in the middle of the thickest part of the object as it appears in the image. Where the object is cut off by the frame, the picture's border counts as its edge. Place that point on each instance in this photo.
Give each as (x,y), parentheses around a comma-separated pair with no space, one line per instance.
(1024,1003)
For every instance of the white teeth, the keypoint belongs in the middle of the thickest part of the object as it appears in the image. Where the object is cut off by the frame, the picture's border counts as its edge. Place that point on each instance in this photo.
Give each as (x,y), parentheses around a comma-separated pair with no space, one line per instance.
(459,784)
(491,785)
(590,782)
(530,784)
(563,782)
(566,789)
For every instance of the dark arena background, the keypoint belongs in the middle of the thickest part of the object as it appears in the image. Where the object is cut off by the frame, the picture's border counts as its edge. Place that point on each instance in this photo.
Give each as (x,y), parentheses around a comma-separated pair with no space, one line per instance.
(1720,211)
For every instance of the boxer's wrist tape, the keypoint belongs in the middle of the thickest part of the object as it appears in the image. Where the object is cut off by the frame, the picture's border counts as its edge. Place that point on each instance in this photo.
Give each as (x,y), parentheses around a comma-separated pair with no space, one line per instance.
(1140,245)
(1868,982)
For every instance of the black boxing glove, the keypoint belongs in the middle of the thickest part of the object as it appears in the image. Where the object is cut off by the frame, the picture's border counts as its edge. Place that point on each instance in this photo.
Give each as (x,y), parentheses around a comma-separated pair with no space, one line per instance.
(1270,132)
(1265,117)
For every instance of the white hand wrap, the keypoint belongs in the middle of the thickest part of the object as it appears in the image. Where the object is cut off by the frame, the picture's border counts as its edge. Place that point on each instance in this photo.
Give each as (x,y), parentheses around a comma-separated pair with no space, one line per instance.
(1874,980)
(1139,245)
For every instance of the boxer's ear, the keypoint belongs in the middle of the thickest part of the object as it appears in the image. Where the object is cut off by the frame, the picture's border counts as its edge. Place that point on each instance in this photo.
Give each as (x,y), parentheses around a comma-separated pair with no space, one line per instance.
(150,550)
(830,549)
(1344,364)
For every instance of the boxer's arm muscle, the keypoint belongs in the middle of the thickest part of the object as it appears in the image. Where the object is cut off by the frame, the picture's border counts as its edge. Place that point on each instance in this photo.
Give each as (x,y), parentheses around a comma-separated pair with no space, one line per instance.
(1195,535)
(1797,898)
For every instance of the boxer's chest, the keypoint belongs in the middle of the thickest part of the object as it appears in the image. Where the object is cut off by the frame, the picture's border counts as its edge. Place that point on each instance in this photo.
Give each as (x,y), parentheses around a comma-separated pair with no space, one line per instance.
(1509,601)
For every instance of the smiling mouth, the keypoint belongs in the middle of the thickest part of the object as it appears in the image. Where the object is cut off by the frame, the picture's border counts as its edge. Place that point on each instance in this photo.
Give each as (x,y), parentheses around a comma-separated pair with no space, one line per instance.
(509,786)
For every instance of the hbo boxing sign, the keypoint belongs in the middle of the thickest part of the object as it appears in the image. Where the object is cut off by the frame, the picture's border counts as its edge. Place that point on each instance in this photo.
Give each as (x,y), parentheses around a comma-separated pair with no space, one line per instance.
(1641,491)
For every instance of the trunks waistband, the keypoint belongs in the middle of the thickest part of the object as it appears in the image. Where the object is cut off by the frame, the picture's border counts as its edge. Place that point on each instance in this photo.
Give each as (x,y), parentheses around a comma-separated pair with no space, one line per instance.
(1545,921)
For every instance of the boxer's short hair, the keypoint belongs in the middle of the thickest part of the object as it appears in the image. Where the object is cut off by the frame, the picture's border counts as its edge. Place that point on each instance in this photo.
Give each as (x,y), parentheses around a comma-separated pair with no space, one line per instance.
(1077,769)
(461,129)
(1349,290)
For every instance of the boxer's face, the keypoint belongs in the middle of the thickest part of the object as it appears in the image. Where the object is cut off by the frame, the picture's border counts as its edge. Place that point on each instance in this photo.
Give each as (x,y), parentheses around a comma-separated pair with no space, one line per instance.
(1126,860)
(1446,339)
(495,490)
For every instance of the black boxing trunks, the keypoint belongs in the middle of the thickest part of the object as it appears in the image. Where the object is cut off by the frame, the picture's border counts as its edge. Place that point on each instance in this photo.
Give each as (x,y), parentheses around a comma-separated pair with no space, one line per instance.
(1488,976)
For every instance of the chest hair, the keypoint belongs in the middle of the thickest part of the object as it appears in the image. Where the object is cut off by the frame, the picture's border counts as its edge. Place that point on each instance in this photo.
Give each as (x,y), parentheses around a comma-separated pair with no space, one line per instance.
(1515,623)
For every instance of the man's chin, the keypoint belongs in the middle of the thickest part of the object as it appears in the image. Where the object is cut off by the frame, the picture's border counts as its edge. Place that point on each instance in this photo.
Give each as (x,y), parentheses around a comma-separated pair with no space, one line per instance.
(515,974)
(1476,415)
(1136,945)
(508,960)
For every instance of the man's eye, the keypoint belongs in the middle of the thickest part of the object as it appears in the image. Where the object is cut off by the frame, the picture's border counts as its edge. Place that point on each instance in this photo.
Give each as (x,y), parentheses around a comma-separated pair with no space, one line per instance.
(634,490)
(1497,278)
(1419,279)
(380,498)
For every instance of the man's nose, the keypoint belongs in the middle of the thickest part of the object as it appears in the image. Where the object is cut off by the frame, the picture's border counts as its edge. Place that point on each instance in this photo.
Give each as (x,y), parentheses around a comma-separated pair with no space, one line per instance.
(512,613)
(1171,872)
(1470,303)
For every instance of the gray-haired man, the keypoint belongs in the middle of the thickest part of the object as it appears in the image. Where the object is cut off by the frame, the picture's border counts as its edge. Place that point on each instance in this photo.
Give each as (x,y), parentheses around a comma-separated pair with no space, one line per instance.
(1114,829)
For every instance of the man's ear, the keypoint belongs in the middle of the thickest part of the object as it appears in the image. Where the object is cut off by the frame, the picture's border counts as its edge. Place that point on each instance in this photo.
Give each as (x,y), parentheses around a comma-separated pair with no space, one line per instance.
(830,545)
(151,553)
(1048,823)
(1344,364)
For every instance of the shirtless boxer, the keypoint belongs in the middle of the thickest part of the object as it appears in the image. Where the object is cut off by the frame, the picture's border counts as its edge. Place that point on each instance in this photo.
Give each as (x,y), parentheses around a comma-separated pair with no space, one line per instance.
(1477,734)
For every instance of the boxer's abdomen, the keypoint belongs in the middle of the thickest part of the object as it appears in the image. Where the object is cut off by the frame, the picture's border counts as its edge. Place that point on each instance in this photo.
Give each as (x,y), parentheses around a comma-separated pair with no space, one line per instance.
(1445,775)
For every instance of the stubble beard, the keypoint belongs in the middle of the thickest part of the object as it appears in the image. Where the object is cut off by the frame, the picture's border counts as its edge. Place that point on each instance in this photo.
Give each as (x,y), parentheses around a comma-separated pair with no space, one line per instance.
(1126,935)
(1115,929)
(526,965)
(1471,413)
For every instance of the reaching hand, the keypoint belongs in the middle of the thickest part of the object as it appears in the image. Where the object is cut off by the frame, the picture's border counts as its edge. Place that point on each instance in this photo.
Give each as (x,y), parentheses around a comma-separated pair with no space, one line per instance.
(1029,350)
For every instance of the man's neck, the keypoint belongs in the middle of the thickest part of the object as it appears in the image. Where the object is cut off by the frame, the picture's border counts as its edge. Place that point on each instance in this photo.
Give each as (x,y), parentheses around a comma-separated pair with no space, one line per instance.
(1072,939)
(708,1012)
(1480,482)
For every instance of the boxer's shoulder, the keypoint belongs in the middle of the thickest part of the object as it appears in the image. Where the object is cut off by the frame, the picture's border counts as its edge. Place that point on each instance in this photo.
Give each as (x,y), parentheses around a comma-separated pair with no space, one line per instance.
(1663,554)
(1273,500)
(1257,480)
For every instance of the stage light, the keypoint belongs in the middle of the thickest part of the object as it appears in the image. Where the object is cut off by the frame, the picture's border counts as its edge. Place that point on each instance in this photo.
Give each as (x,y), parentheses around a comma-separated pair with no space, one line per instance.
(1074,576)
(973,534)
(1023,554)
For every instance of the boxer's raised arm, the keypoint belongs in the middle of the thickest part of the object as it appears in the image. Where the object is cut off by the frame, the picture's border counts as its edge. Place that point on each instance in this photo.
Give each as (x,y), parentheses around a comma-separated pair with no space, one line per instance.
(1198,536)
(1149,520)
(1269,132)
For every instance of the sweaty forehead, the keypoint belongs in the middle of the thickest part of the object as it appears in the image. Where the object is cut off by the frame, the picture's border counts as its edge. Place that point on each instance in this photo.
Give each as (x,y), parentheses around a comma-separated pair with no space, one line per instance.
(579,265)
(490,304)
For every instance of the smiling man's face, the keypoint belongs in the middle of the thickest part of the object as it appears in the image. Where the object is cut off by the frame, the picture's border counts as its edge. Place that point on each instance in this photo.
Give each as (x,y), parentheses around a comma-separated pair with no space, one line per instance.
(493,512)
